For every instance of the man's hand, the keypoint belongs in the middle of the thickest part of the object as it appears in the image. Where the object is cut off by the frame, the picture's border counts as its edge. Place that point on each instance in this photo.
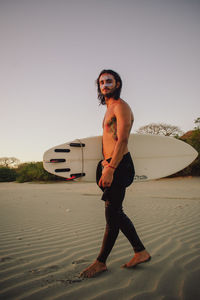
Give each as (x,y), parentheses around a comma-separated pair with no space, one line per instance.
(104,163)
(107,177)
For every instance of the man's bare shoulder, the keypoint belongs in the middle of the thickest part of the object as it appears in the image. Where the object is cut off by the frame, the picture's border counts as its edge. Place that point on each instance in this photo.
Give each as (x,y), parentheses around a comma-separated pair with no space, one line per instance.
(122,106)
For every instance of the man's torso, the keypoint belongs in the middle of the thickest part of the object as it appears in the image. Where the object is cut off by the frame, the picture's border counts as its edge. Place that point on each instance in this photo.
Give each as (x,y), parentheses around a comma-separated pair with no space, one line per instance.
(110,137)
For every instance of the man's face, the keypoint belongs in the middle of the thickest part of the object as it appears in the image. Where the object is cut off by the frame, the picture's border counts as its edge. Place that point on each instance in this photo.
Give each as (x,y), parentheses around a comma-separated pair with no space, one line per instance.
(107,84)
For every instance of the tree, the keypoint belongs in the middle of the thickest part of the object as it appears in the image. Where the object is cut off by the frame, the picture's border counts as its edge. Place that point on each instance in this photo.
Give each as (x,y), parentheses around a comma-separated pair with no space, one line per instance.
(7,174)
(160,129)
(192,137)
(9,161)
(34,171)
(197,122)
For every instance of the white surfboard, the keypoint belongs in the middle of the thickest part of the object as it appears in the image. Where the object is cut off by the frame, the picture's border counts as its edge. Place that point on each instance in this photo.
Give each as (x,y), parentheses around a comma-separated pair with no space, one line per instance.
(154,157)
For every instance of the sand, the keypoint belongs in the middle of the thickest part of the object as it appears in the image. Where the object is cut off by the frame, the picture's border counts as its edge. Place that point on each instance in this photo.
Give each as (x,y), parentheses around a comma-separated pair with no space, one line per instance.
(50,232)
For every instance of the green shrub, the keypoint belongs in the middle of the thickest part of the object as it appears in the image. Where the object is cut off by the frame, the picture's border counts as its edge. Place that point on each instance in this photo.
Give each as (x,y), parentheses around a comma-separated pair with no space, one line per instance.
(7,174)
(193,139)
(34,171)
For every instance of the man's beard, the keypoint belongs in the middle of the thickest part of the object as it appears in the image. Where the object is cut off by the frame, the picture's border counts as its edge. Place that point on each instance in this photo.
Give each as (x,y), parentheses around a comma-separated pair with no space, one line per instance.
(112,94)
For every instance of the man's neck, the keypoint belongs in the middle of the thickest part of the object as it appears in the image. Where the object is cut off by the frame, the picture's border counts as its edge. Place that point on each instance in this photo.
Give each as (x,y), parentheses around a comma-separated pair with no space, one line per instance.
(110,101)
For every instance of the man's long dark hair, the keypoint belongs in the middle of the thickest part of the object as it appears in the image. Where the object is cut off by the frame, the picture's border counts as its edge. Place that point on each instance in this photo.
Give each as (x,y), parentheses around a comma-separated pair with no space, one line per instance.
(116,93)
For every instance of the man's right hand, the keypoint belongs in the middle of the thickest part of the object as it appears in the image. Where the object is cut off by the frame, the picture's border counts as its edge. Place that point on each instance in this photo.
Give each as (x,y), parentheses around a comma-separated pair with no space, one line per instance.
(104,163)
(107,177)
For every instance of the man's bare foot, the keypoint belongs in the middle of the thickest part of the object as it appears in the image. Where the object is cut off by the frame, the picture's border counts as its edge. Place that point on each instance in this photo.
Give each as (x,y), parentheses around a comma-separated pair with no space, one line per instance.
(138,258)
(94,269)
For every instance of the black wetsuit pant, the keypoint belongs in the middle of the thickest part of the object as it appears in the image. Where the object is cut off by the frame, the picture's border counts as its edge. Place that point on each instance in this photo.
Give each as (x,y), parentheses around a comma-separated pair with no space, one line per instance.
(116,219)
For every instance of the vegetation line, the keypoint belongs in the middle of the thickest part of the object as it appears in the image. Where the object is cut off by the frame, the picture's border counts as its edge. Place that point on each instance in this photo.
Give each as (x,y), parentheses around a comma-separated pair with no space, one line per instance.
(12,170)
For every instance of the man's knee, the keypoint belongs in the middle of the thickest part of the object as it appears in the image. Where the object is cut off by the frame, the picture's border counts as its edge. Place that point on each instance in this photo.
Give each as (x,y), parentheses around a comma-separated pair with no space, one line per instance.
(113,213)
(112,207)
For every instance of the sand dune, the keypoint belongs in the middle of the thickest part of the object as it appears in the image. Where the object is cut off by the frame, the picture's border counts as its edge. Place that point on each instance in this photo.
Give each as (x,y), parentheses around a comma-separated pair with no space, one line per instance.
(50,232)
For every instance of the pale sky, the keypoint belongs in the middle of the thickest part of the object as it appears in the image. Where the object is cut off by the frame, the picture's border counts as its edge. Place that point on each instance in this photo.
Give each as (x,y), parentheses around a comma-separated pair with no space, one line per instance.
(52,51)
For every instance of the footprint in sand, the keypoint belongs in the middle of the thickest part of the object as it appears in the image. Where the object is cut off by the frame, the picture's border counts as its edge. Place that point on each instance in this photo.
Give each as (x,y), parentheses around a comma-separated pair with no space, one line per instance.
(5,258)
(79,261)
(44,270)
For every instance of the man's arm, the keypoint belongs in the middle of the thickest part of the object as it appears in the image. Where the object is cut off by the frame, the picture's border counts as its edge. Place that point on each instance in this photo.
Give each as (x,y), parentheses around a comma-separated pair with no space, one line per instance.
(124,122)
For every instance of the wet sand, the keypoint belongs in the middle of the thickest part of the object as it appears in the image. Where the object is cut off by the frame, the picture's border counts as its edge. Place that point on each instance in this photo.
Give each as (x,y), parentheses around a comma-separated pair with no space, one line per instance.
(50,232)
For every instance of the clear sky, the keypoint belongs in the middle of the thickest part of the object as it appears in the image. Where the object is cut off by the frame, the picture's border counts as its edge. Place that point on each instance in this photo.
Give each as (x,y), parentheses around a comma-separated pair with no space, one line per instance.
(53,50)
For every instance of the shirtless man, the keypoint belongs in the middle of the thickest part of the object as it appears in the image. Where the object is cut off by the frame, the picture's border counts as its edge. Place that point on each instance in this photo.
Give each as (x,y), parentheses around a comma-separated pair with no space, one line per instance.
(115,173)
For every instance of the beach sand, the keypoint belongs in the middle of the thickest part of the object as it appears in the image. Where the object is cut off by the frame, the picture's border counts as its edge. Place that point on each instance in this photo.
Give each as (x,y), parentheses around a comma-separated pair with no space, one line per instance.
(50,232)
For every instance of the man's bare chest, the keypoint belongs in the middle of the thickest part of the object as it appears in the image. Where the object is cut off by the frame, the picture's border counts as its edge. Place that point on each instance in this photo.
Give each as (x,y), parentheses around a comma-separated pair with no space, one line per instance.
(109,119)
(110,124)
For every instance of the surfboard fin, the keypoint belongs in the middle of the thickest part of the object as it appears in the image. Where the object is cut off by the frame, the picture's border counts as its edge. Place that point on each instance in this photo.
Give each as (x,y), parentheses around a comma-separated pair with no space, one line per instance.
(77,145)
(57,160)
(62,150)
(76,175)
(62,170)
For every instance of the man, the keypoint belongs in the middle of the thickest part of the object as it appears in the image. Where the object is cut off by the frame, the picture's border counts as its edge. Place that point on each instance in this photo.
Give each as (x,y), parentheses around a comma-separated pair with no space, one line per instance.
(115,173)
